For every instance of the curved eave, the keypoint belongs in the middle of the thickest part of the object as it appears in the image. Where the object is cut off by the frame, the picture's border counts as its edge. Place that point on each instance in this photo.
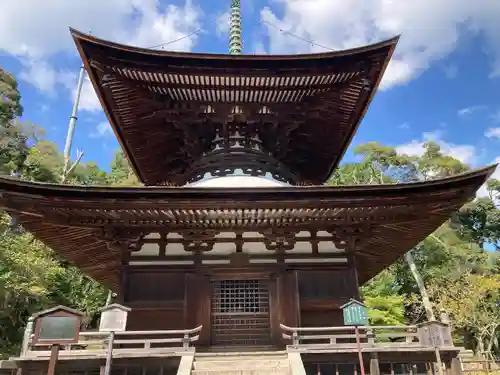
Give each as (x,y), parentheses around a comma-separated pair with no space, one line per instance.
(206,59)
(337,63)
(474,178)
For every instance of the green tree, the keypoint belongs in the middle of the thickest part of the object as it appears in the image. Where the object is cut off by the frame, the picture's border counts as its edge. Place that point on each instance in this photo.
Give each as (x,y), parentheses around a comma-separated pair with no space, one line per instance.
(381,296)
(10,98)
(472,300)
(479,221)
(88,174)
(14,135)
(121,173)
(443,251)
(43,163)
(32,277)
(27,273)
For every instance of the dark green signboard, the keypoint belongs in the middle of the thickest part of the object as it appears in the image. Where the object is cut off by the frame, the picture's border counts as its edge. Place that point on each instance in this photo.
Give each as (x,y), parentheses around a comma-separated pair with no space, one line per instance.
(355,313)
(55,328)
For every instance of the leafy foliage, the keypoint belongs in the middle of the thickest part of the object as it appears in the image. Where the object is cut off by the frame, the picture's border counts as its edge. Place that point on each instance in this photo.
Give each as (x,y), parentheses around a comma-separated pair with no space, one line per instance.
(439,262)
(32,278)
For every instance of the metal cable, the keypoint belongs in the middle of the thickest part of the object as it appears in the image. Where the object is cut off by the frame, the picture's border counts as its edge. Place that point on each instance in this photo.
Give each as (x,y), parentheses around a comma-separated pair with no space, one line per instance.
(298,37)
(176,40)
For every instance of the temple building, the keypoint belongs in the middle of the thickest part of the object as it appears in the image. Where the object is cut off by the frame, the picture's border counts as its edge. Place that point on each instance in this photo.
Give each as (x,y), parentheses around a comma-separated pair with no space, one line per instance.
(235,230)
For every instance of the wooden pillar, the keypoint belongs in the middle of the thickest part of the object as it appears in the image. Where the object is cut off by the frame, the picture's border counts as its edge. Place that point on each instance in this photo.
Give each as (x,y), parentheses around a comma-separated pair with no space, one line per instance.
(123,293)
(274,309)
(288,303)
(352,242)
(122,242)
(204,308)
(288,298)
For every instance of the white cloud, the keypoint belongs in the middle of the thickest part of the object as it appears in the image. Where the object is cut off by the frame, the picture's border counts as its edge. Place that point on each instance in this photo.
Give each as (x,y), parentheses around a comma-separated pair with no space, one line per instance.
(451,71)
(140,22)
(430,30)
(102,129)
(469,110)
(43,75)
(259,49)
(493,133)
(222,24)
(88,98)
(38,43)
(465,153)
(158,26)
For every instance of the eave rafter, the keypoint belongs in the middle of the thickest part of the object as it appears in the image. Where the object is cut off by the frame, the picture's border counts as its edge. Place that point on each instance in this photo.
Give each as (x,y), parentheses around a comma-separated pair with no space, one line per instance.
(192,123)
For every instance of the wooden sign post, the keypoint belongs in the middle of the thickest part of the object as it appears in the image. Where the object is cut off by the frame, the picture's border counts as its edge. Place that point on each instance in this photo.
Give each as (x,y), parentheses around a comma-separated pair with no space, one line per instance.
(113,319)
(435,334)
(55,327)
(356,314)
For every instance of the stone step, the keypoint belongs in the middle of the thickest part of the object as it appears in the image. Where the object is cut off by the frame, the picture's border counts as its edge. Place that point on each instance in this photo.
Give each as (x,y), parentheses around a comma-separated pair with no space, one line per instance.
(248,359)
(249,363)
(242,365)
(241,355)
(241,360)
(242,372)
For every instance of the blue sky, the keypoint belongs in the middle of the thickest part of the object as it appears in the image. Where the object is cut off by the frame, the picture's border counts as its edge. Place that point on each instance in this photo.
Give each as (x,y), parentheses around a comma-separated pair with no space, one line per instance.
(444,82)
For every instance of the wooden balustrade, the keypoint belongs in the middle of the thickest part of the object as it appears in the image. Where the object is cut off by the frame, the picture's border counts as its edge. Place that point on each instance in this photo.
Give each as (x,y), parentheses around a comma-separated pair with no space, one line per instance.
(127,343)
(345,337)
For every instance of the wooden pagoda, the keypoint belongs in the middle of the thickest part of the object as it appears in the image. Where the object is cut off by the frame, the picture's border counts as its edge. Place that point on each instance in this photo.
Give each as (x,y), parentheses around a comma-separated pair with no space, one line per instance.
(233,231)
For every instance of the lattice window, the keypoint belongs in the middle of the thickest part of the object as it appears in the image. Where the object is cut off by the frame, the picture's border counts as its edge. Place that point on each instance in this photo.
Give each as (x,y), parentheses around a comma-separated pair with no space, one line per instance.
(240,296)
(240,312)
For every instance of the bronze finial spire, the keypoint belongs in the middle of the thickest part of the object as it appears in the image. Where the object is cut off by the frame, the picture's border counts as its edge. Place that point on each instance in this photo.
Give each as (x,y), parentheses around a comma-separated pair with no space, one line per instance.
(235,39)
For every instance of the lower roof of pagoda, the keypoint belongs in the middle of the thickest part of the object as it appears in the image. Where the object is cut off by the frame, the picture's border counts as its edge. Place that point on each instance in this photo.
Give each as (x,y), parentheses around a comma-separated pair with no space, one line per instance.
(82,223)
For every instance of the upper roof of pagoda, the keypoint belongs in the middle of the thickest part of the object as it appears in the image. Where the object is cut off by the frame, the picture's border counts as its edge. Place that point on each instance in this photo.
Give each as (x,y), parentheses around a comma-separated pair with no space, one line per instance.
(165,107)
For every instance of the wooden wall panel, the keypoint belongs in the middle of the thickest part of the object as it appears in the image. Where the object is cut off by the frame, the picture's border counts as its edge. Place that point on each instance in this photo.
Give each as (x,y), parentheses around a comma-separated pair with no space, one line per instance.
(157,299)
(191,301)
(145,319)
(321,293)
(321,318)
(288,297)
(156,286)
(337,284)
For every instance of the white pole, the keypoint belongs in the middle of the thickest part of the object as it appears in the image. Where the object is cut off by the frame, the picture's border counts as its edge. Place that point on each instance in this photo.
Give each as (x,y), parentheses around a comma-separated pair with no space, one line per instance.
(71,128)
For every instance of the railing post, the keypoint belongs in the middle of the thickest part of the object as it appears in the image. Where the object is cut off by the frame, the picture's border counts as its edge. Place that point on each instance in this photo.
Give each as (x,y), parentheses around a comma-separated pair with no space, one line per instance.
(185,341)
(445,319)
(370,335)
(409,338)
(27,336)
(295,338)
